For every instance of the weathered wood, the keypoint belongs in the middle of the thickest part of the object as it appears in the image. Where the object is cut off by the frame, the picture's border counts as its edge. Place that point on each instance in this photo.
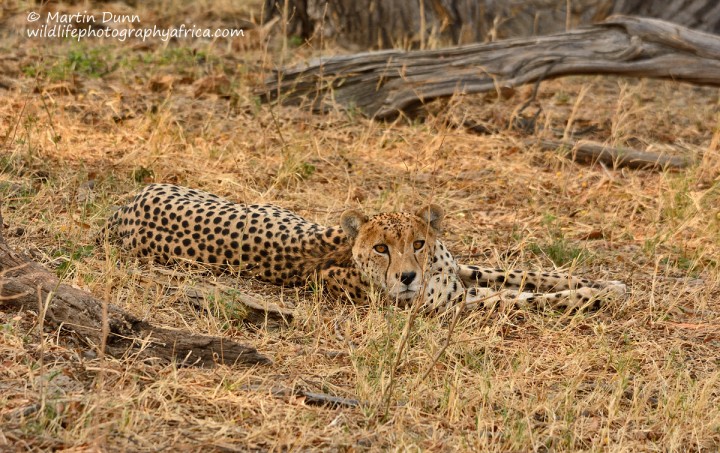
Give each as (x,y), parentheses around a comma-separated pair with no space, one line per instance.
(696,14)
(384,84)
(249,309)
(370,24)
(311,398)
(23,282)
(589,152)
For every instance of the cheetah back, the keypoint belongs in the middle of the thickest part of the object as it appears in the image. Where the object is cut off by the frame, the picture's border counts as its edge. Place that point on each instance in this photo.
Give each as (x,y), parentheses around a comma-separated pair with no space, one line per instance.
(169,223)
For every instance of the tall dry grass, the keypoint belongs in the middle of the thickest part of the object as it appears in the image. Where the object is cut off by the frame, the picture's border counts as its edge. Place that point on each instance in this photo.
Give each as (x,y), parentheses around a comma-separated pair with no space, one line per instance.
(82,126)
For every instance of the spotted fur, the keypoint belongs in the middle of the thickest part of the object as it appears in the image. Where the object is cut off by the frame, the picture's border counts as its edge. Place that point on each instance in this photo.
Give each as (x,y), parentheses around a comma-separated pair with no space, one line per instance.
(400,254)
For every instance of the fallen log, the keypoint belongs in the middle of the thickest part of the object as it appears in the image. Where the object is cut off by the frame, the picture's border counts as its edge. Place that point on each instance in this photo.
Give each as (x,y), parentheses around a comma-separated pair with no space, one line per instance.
(25,284)
(589,152)
(387,83)
(311,398)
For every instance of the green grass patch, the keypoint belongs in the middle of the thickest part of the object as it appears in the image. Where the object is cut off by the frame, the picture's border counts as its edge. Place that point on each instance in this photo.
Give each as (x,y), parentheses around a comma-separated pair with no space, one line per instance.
(68,257)
(558,249)
(79,61)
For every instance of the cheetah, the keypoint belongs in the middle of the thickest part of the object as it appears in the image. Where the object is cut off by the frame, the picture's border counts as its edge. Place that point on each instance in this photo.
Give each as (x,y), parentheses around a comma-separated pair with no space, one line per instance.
(399,254)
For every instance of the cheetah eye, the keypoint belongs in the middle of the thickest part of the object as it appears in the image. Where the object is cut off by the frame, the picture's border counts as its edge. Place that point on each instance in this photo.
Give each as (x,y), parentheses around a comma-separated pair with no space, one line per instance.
(418,245)
(381,248)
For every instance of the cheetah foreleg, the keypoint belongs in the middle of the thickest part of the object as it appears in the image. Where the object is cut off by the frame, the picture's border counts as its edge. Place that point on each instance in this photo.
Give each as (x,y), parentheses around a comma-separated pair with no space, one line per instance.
(442,292)
(341,282)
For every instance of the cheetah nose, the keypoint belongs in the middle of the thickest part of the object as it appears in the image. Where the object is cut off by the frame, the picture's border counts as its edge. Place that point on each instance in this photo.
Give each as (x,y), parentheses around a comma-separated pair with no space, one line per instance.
(407,277)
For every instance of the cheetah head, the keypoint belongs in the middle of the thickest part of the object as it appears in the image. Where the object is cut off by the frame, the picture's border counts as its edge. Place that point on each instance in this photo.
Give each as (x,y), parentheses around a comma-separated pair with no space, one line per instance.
(394,250)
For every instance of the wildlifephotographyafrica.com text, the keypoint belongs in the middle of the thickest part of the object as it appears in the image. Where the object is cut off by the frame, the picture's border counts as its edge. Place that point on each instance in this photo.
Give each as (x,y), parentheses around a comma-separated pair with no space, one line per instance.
(105,25)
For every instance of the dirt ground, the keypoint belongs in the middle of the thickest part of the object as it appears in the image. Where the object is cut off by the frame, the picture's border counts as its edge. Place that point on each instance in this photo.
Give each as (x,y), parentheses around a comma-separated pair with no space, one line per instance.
(84,125)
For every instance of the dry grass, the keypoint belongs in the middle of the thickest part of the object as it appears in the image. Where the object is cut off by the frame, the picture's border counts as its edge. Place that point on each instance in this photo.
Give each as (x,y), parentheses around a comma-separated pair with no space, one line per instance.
(82,126)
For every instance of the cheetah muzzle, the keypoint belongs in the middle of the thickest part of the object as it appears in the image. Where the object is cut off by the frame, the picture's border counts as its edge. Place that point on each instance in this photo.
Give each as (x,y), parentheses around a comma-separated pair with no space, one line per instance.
(399,254)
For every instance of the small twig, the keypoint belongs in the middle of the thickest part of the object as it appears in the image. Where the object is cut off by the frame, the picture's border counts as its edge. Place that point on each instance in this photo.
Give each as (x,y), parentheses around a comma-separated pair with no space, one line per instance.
(50,120)
(387,391)
(2,224)
(42,311)
(458,309)
(9,139)
(533,97)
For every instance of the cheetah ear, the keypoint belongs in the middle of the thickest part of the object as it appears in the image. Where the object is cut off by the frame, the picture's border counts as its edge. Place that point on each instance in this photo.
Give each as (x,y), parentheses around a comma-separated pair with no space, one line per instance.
(351,221)
(432,214)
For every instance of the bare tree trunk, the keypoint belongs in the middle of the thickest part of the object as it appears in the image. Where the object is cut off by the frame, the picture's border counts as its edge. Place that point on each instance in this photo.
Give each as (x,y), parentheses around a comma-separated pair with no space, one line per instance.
(26,284)
(696,14)
(368,24)
(383,84)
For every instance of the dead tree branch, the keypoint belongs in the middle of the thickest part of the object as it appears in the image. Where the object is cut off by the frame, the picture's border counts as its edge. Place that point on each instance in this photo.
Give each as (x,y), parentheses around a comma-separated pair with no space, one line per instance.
(78,313)
(589,152)
(384,84)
